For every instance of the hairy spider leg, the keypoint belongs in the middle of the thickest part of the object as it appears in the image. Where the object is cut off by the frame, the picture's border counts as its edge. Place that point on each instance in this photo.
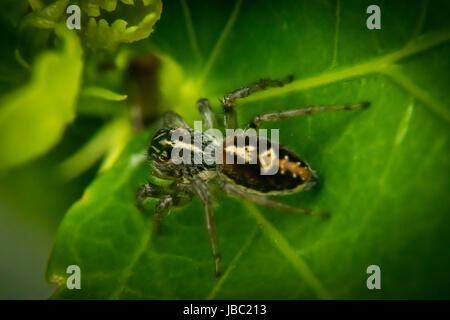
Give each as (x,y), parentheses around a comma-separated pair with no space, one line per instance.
(229,99)
(201,189)
(169,196)
(162,207)
(262,200)
(208,117)
(171,119)
(275,116)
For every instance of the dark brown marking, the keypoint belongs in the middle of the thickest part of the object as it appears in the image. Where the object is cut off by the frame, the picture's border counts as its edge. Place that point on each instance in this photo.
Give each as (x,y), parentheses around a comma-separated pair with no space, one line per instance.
(249,175)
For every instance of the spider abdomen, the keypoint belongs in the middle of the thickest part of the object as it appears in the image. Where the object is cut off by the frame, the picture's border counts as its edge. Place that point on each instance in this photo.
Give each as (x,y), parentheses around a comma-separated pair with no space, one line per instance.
(274,169)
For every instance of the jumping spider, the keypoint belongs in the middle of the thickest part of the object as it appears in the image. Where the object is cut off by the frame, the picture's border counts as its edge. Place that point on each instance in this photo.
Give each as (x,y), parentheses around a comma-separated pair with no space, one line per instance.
(242,181)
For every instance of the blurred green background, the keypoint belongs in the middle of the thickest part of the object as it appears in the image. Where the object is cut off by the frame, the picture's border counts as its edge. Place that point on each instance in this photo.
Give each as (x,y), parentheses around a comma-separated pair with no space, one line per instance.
(70,105)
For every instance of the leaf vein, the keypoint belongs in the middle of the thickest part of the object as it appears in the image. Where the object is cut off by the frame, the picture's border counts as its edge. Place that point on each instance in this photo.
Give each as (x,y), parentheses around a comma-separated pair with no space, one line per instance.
(372,66)
(191,31)
(398,138)
(336,34)
(232,265)
(218,46)
(421,20)
(433,105)
(285,248)
(129,270)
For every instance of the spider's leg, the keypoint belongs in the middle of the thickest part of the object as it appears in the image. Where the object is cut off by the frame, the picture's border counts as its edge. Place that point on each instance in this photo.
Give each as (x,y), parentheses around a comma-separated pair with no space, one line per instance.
(275,116)
(210,220)
(171,119)
(209,119)
(240,193)
(165,202)
(229,99)
(147,191)
(161,208)
(211,226)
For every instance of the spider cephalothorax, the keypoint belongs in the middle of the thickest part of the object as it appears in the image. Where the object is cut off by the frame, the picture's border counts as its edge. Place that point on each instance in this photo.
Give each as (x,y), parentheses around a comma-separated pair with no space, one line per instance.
(164,143)
(246,166)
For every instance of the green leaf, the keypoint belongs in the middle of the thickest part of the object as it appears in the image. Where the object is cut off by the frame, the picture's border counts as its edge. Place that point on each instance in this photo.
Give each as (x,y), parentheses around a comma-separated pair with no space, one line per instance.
(46,17)
(384,170)
(33,117)
(101,33)
(103,93)
(109,140)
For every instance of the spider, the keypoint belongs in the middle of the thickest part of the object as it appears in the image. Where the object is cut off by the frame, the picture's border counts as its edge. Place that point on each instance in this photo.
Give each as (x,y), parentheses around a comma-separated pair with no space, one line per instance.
(243,179)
